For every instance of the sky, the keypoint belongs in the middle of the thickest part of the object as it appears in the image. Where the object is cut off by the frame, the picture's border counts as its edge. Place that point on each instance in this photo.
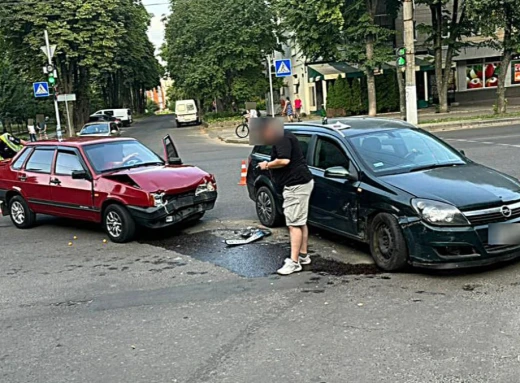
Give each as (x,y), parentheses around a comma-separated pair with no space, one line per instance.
(158,8)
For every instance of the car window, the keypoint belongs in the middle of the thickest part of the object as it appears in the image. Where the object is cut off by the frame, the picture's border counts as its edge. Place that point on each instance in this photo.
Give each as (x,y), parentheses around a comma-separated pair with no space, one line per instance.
(191,107)
(329,154)
(94,129)
(17,165)
(181,108)
(304,141)
(40,161)
(66,163)
(403,150)
(109,113)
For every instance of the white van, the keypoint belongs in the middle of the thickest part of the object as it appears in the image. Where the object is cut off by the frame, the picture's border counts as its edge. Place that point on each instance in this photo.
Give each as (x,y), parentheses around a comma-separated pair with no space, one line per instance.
(125,115)
(186,112)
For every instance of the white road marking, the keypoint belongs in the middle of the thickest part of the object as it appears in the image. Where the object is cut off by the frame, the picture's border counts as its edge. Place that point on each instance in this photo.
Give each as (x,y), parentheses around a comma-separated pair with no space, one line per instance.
(482,142)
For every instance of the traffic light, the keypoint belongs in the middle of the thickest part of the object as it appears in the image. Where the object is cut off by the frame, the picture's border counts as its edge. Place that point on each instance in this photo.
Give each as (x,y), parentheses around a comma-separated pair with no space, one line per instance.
(51,79)
(401,57)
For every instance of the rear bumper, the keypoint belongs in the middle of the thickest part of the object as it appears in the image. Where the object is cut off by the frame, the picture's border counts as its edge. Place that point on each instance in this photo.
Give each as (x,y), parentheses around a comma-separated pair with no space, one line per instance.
(175,211)
(183,119)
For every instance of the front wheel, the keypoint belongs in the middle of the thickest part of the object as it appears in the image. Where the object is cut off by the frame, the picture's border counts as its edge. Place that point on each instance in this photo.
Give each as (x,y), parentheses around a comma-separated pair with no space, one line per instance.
(21,215)
(387,243)
(267,208)
(119,224)
(242,130)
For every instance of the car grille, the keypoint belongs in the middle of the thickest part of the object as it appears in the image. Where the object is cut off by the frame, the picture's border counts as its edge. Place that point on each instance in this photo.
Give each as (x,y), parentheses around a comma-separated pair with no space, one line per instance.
(180,197)
(493,215)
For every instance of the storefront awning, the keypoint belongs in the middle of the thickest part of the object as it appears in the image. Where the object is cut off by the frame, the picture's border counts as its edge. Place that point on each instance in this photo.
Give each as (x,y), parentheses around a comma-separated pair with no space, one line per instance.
(332,71)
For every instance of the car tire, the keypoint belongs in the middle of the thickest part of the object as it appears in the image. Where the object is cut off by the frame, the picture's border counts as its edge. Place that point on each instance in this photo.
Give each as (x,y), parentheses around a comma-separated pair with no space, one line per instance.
(267,208)
(387,243)
(178,123)
(21,215)
(118,224)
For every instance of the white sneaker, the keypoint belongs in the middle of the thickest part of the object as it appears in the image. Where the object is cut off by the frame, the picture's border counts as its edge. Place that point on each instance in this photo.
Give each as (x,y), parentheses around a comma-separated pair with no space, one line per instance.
(305,260)
(289,267)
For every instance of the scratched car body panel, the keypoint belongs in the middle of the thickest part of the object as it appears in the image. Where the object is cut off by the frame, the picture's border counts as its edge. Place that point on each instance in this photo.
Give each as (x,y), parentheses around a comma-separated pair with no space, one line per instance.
(81,178)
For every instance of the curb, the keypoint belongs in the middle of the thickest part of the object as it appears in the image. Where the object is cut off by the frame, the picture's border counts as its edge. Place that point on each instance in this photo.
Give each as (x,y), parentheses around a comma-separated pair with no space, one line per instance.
(464,125)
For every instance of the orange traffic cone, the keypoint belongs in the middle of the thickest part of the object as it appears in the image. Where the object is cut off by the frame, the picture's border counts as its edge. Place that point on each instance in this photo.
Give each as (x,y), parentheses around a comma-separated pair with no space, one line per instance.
(243,174)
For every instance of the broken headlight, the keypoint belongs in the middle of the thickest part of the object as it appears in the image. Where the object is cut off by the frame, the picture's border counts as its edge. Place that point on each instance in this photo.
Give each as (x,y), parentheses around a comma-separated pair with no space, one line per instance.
(157,199)
(206,187)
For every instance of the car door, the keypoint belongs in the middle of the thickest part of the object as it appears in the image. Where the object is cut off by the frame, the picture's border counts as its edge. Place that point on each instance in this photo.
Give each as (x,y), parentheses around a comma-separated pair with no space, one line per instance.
(34,180)
(73,198)
(334,202)
(171,155)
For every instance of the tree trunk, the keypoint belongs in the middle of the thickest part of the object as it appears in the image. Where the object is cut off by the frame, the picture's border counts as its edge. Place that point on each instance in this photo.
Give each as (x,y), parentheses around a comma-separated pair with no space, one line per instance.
(504,67)
(371,80)
(402,93)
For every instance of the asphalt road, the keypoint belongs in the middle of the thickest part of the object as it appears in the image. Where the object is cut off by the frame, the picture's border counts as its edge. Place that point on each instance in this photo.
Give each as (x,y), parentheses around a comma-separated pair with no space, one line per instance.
(96,312)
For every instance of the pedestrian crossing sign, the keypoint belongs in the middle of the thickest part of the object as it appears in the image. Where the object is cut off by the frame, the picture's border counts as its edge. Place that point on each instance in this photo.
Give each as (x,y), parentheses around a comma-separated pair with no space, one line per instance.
(41,89)
(283,68)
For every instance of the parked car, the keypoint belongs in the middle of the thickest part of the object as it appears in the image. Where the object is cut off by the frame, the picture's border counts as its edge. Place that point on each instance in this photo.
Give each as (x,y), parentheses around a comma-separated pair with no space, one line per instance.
(186,112)
(117,182)
(413,198)
(106,118)
(100,129)
(125,115)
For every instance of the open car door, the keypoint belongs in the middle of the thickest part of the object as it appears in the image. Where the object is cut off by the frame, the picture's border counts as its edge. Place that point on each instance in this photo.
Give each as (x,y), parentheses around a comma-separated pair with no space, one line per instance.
(171,156)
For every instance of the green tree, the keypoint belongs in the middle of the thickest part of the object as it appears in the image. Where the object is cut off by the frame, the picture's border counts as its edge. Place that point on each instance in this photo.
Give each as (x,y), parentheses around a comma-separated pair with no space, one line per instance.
(342,30)
(216,48)
(448,26)
(502,27)
(357,106)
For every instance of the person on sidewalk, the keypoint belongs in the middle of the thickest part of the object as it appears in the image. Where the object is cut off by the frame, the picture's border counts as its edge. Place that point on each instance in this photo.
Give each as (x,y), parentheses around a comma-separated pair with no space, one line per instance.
(32,132)
(288,111)
(298,108)
(291,176)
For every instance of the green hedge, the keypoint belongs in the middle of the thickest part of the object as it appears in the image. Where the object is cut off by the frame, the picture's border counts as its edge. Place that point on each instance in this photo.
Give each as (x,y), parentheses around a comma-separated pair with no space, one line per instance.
(221,116)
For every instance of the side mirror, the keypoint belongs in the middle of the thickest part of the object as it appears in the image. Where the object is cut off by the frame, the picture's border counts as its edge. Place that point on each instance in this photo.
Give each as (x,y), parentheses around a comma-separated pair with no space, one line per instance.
(338,172)
(80,175)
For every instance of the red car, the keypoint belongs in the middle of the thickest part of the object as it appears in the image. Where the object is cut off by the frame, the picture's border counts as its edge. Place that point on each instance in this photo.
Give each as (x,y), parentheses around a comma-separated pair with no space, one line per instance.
(118,182)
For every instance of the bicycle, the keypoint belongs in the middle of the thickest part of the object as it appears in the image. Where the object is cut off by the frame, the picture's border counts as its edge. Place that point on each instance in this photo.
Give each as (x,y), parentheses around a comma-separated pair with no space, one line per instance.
(242,130)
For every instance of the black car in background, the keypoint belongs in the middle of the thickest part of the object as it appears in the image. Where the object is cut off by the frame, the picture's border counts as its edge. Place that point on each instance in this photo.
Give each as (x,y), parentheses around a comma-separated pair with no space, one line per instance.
(413,198)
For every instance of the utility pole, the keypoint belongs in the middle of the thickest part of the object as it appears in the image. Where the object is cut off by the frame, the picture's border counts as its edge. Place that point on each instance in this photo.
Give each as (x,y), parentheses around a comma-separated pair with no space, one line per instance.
(269,63)
(49,57)
(411,92)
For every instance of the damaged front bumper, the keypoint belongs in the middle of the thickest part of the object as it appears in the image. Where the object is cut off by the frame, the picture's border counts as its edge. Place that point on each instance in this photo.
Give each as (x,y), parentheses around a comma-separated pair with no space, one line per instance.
(177,209)
(453,247)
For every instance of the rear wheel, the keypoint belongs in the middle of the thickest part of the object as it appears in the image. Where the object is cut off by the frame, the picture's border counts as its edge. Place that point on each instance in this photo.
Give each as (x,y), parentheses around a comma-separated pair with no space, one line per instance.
(266,208)
(119,224)
(387,243)
(242,131)
(21,215)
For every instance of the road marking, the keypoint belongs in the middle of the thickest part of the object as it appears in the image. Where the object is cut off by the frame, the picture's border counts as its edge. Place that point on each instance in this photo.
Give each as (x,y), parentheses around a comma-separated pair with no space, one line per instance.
(482,142)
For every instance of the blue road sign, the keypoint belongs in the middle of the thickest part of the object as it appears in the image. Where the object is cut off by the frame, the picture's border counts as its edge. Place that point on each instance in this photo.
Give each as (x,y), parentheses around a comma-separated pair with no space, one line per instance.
(41,89)
(283,68)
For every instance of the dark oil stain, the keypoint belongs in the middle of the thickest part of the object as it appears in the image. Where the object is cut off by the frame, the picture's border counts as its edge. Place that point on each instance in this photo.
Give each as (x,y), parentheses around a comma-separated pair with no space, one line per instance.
(196,273)
(315,291)
(257,259)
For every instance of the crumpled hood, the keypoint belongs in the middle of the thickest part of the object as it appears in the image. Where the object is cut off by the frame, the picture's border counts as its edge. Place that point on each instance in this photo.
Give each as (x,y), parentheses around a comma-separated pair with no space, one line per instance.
(467,186)
(168,179)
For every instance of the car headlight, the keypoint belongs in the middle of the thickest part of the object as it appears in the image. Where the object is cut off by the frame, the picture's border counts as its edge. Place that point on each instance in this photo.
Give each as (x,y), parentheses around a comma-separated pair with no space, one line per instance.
(439,213)
(157,199)
(206,187)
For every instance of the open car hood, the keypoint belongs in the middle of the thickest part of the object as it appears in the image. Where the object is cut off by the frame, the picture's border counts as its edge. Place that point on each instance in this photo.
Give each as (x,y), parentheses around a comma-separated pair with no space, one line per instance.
(168,179)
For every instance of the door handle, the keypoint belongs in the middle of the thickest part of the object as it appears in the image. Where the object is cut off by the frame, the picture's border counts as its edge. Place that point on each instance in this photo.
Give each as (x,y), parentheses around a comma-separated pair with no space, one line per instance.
(55,181)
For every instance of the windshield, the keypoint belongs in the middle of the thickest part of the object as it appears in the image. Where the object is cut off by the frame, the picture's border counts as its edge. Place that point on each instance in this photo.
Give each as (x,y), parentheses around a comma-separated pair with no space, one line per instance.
(94,129)
(403,150)
(181,108)
(109,156)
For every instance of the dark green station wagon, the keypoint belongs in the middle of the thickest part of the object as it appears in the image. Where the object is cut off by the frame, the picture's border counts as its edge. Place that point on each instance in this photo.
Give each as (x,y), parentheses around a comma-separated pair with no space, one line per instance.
(413,198)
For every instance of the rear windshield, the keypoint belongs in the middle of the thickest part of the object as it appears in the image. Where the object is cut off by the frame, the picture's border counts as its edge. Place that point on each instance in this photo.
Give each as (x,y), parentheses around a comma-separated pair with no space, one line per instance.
(181,108)
(191,107)
(95,129)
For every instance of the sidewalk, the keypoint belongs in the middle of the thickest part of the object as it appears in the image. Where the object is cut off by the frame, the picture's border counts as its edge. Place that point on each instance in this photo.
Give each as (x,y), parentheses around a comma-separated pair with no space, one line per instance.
(471,116)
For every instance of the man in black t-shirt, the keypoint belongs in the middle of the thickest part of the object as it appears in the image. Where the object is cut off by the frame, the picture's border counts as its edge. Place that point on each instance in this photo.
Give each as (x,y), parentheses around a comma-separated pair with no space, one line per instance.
(292,177)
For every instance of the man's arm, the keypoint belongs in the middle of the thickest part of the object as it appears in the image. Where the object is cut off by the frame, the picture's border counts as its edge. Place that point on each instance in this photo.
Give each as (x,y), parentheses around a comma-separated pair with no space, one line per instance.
(283,158)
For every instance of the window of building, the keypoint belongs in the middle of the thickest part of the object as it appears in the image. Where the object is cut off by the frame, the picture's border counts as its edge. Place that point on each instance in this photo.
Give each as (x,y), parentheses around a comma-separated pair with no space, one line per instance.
(482,74)
(515,72)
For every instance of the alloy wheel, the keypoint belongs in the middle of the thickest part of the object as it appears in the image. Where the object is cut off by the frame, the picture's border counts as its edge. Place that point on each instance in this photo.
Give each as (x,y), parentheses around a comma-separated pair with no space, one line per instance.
(114,224)
(264,206)
(18,212)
